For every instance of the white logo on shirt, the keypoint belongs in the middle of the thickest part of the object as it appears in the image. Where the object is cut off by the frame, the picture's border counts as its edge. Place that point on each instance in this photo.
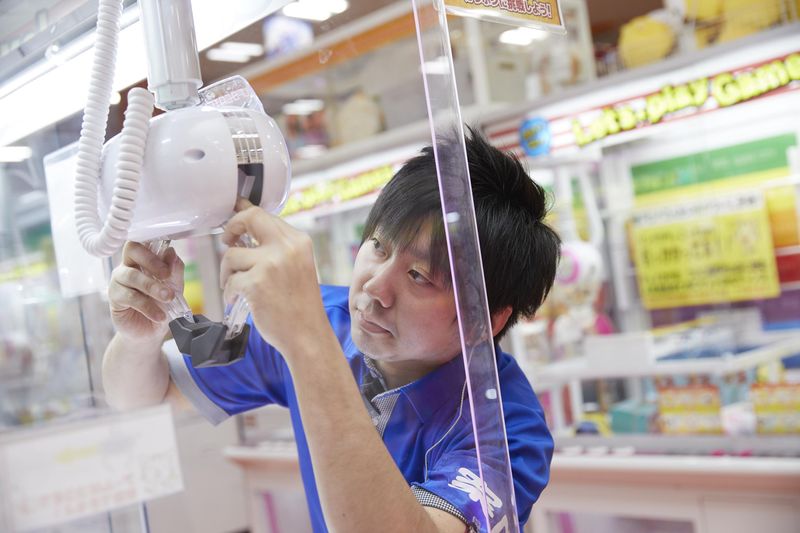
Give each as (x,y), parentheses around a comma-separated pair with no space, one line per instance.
(468,482)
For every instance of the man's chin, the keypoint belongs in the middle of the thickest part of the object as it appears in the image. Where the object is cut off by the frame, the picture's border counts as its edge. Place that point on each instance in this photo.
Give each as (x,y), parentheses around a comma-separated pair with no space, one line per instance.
(368,346)
(360,339)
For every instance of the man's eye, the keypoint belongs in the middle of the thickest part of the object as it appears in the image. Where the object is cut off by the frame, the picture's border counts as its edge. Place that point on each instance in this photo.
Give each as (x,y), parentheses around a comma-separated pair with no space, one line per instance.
(418,278)
(377,246)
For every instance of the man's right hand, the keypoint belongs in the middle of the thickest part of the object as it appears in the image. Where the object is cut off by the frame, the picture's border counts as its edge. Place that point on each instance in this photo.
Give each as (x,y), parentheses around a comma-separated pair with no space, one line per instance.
(140,287)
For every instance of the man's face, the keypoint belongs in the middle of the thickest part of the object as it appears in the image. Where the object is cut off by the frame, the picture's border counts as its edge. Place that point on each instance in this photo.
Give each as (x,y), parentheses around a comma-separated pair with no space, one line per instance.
(400,312)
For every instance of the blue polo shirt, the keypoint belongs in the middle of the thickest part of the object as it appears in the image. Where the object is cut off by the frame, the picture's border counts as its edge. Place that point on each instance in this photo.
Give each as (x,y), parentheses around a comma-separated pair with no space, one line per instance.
(426,425)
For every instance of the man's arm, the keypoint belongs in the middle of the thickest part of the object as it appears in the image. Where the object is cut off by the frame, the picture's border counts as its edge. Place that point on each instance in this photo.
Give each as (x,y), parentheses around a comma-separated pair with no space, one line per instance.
(359,485)
(135,371)
(136,374)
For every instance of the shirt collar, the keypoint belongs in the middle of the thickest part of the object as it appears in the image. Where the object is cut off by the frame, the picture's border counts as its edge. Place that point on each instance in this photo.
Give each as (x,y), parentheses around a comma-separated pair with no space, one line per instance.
(432,391)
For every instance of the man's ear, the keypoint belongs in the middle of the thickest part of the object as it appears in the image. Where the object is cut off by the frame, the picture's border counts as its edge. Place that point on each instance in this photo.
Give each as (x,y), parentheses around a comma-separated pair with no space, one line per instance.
(499,319)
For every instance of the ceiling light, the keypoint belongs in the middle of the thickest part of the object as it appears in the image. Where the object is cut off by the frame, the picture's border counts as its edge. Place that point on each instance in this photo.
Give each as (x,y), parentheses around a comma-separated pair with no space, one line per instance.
(522,36)
(250,49)
(316,10)
(300,10)
(336,6)
(304,106)
(14,154)
(439,66)
(310,151)
(229,56)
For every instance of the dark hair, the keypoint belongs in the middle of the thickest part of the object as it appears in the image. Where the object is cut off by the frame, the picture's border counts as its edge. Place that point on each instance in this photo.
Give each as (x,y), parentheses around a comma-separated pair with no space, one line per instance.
(519,251)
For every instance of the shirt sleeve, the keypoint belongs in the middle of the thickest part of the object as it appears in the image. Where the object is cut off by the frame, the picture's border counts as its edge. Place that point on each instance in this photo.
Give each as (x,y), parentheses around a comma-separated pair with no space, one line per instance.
(453,474)
(429,499)
(218,392)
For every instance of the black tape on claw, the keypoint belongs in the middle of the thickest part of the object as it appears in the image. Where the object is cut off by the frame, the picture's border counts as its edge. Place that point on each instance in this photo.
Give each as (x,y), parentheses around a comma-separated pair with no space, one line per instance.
(205,341)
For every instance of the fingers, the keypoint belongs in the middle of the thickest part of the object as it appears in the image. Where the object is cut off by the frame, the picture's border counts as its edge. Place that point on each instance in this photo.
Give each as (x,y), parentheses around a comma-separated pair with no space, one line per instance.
(243,203)
(131,289)
(127,298)
(242,222)
(134,279)
(236,285)
(176,266)
(256,222)
(237,260)
(137,255)
(229,288)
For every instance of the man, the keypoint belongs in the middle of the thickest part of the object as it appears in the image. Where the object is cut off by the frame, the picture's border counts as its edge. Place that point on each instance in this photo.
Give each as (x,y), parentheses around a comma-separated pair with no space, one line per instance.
(383,356)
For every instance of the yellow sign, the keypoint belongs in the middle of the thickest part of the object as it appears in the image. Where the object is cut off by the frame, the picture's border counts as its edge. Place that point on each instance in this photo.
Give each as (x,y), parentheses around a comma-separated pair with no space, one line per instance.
(714,250)
(519,12)
(338,190)
(723,90)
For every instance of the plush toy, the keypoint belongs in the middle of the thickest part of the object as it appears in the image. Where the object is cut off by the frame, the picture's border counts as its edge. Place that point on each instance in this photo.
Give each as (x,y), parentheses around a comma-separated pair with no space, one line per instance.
(572,301)
(703,9)
(742,17)
(645,40)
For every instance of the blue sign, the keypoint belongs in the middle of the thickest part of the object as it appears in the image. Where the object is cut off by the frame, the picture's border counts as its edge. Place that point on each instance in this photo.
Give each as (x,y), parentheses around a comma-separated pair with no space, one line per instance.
(534,136)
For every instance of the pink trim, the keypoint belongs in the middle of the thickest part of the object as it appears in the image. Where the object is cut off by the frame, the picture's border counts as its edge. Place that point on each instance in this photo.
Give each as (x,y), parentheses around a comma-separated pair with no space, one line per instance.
(270,512)
(576,268)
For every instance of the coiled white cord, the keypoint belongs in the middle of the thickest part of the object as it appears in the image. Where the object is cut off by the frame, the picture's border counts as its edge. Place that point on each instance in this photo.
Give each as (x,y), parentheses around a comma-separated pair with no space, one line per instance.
(104,239)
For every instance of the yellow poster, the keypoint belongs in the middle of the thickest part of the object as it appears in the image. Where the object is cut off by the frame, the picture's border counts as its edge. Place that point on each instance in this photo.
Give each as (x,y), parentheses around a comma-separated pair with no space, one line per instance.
(712,250)
(535,13)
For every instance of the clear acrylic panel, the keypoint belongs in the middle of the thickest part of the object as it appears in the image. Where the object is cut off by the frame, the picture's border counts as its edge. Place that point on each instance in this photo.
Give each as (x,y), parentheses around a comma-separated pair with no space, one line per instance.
(475,326)
(447,131)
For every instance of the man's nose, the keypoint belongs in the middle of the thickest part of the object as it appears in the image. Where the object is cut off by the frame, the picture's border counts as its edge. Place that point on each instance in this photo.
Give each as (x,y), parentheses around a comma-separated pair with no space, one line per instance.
(379,286)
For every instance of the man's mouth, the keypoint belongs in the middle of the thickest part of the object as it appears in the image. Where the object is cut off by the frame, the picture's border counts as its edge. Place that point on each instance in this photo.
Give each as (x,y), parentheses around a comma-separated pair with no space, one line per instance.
(368,325)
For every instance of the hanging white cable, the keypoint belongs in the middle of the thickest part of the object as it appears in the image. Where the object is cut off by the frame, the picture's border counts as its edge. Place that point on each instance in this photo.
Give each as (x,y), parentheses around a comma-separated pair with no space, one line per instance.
(105,238)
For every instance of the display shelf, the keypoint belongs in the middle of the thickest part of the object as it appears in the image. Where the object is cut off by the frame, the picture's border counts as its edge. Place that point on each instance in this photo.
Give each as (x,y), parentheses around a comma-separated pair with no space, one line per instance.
(416,132)
(14,383)
(709,494)
(780,473)
(697,445)
(281,451)
(274,486)
(578,369)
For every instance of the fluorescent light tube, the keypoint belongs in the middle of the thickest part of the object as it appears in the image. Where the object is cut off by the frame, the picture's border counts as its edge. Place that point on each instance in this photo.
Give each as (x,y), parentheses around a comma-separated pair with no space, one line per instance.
(229,56)
(249,49)
(302,10)
(438,66)
(303,107)
(14,154)
(336,6)
(522,36)
(316,10)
